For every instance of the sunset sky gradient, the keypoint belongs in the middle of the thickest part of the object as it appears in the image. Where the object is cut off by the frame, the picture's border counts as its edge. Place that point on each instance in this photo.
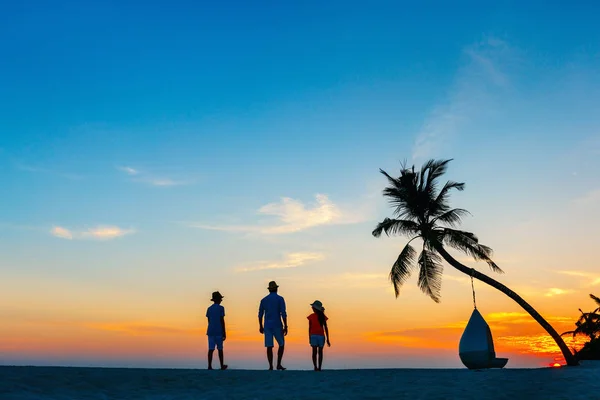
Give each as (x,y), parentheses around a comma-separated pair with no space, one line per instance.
(151,154)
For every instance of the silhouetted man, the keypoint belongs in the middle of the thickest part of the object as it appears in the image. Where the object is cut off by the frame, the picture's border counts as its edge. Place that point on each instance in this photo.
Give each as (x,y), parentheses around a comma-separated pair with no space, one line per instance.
(272,307)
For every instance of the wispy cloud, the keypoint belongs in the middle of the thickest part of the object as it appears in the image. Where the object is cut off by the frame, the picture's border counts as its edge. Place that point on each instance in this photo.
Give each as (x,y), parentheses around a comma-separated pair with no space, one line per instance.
(128,170)
(536,291)
(574,273)
(293,216)
(588,199)
(48,171)
(460,279)
(290,260)
(541,344)
(522,328)
(519,318)
(97,233)
(162,182)
(152,179)
(557,292)
(365,281)
(591,279)
(61,232)
(482,73)
(142,329)
(296,217)
(369,281)
(440,337)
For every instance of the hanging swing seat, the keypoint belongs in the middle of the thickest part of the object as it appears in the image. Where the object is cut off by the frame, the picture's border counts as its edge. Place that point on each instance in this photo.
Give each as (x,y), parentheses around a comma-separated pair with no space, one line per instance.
(476,347)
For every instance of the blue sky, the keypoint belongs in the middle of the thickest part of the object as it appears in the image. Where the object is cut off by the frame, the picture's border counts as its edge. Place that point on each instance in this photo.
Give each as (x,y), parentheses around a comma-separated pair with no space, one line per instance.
(188,143)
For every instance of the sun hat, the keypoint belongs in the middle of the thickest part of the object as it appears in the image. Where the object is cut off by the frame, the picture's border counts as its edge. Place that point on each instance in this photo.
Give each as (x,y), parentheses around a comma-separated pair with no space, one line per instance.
(273,285)
(216,296)
(318,305)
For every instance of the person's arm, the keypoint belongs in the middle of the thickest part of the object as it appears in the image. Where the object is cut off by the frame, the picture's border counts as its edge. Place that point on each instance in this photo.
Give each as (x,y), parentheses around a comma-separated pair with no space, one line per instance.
(261,312)
(223,325)
(284,317)
(326,333)
(309,322)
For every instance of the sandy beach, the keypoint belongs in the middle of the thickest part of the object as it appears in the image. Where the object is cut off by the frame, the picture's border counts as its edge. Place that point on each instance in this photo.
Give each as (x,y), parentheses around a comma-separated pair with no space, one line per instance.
(41,383)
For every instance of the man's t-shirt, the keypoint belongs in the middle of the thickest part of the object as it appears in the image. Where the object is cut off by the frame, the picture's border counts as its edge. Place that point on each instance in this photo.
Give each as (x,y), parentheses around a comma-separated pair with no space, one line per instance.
(314,326)
(273,308)
(214,314)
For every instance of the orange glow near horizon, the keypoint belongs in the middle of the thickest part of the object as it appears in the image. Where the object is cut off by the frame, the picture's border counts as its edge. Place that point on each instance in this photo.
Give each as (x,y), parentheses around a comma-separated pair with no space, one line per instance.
(513,333)
(366,322)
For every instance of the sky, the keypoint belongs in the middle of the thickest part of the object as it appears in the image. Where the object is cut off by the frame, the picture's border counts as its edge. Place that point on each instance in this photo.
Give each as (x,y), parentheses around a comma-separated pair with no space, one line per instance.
(152,153)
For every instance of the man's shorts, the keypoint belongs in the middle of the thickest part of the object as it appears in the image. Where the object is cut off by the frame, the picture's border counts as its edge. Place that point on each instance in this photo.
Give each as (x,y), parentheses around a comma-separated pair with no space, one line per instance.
(317,340)
(276,333)
(215,341)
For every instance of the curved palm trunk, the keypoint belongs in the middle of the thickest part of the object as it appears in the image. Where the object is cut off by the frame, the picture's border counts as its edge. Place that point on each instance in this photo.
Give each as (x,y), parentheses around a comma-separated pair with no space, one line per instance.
(569,357)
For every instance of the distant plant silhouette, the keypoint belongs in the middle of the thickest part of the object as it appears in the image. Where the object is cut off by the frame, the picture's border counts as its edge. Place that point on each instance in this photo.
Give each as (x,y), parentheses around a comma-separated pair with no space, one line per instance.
(421,211)
(588,325)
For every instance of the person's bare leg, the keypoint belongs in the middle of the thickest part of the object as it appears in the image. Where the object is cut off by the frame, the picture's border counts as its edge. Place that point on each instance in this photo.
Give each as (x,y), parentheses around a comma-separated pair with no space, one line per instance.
(280,351)
(210,357)
(314,357)
(223,366)
(320,357)
(270,357)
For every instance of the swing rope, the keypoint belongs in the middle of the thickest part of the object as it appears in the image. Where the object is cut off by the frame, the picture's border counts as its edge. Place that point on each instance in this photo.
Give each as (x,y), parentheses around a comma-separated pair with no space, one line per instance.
(473,289)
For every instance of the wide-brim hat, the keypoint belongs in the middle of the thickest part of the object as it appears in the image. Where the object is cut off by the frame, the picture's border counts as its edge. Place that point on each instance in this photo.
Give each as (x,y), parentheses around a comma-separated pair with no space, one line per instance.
(318,305)
(273,285)
(217,296)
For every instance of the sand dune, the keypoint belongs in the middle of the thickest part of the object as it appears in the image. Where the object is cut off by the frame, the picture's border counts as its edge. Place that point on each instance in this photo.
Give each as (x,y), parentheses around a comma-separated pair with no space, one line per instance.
(37,383)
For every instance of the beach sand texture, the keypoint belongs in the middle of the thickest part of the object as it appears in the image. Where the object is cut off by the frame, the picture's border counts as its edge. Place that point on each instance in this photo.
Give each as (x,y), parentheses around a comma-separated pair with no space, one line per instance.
(37,383)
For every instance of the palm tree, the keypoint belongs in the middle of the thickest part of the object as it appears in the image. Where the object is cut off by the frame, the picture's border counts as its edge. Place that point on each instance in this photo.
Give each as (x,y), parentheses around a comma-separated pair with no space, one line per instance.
(422,211)
(588,324)
(597,301)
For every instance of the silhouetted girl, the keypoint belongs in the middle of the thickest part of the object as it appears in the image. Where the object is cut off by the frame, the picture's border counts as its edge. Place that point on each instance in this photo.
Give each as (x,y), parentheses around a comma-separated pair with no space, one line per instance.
(318,333)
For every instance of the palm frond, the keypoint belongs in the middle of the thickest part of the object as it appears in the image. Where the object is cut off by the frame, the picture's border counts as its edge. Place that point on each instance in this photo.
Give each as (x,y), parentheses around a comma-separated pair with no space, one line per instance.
(402,268)
(440,204)
(588,324)
(574,333)
(430,274)
(468,243)
(395,227)
(451,217)
(596,299)
(435,169)
(404,203)
(403,195)
(393,181)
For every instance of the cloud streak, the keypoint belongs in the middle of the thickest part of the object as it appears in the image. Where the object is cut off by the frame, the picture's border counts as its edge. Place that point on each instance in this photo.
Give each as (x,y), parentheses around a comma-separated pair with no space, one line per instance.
(128,170)
(147,178)
(96,233)
(293,216)
(557,292)
(291,260)
(475,82)
(61,232)
(47,171)
(141,329)
(514,331)
(588,199)
(162,182)
(590,278)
